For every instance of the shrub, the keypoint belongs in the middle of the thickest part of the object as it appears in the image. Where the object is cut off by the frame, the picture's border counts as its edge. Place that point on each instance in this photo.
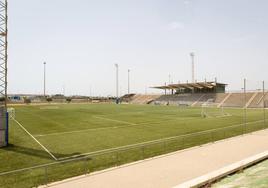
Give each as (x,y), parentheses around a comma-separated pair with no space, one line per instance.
(27,100)
(49,99)
(69,100)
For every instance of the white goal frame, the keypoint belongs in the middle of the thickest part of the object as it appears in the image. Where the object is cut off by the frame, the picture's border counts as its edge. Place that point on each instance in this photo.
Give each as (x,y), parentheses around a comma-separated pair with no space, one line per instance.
(11,113)
(209,105)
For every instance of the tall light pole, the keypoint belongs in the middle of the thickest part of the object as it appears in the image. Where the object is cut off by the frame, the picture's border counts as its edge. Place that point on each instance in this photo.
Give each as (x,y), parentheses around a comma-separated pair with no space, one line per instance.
(45,79)
(192,57)
(63,87)
(245,103)
(128,81)
(117,80)
(263,100)
(169,82)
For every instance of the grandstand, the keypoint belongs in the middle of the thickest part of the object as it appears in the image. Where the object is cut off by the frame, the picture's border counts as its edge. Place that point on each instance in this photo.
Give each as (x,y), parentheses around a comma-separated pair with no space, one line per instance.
(196,87)
(196,94)
(186,94)
(143,99)
(253,100)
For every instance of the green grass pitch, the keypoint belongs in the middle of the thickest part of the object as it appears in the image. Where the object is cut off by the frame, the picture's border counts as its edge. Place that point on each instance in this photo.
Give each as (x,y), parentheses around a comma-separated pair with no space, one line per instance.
(76,130)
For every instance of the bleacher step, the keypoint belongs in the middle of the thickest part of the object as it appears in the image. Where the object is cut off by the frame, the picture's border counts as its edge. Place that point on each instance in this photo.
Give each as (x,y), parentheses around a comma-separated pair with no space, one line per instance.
(251,99)
(225,99)
(197,100)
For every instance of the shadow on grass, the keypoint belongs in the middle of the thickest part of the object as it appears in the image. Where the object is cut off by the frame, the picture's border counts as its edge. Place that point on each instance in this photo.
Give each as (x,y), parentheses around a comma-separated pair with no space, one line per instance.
(34,152)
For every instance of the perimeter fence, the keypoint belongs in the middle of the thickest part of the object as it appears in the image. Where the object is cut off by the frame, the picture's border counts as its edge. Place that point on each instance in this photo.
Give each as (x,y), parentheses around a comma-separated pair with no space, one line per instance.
(96,161)
(44,174)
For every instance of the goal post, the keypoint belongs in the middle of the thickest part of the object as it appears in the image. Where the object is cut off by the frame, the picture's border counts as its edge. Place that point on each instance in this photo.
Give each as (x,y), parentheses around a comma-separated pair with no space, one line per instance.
(211,109)
(11,113)
(183,105)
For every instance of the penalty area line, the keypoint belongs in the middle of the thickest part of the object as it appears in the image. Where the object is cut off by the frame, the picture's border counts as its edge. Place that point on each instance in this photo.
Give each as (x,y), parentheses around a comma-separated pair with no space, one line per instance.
(114,120)
(150,123)
(35,139)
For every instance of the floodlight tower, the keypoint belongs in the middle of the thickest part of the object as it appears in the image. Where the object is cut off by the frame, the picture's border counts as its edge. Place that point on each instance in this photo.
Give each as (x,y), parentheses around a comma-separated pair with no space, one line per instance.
(192,57)
(3,51)
(128,80)
(45,79)
(117,80)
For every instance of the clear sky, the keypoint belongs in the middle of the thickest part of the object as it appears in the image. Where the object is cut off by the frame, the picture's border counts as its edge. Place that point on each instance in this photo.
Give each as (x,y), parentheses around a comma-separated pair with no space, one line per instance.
(81,41)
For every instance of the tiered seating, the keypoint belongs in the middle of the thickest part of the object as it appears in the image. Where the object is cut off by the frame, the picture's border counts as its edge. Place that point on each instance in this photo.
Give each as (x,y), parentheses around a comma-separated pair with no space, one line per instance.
(258,100)
(127,97)
(143,99)
(220,97)
(136,99)
(188,99)
(205,98)
(253,100)
(237,100)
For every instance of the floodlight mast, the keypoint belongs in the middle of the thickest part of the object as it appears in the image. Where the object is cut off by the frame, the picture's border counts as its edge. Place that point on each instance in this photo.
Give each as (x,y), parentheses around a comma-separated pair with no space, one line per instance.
(3,50)
(128,80)
(117,80)
(45,79)
(193,71)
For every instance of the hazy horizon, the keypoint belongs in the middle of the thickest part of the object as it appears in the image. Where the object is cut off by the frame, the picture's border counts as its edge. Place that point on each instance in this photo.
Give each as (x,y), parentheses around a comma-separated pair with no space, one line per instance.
(82,41)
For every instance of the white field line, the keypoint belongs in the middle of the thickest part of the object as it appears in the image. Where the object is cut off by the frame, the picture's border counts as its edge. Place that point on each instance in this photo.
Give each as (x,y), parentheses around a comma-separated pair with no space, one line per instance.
(160,156)
(222,116)
(92,129)
(109,119)
(130,125)
(154,141)
(35,139)
(78,131)
(113,127)
(114,120)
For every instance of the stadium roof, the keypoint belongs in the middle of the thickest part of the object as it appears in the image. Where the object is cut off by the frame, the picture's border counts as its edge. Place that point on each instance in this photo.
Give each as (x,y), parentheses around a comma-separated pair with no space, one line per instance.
(198,85)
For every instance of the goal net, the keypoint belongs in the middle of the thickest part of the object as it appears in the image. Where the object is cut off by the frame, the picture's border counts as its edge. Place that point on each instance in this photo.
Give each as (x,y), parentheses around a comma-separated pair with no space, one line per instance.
(11,113)
(211,109)
(183,104)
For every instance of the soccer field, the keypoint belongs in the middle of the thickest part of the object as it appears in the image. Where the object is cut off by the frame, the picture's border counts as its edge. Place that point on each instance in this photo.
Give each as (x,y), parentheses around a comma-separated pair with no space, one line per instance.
(42,134)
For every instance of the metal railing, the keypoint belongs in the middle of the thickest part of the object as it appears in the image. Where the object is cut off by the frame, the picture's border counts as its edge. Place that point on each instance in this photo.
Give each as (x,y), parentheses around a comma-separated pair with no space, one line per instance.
(95,161)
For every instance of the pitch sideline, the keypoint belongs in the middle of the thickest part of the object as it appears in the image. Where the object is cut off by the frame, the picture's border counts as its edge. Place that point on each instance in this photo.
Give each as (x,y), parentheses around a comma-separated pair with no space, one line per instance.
(35,139)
